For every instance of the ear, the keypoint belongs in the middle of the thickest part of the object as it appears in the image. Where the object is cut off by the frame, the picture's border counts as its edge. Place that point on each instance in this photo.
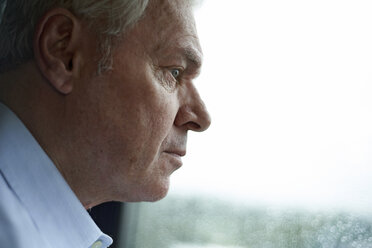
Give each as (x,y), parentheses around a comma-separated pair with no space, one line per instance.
(55,46)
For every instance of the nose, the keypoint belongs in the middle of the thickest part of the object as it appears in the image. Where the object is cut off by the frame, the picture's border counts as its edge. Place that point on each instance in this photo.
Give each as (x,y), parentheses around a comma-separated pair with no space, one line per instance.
(192,113)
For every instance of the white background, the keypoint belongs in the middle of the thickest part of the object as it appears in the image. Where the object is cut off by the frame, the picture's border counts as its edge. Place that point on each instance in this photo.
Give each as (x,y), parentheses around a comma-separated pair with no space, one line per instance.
(289,87)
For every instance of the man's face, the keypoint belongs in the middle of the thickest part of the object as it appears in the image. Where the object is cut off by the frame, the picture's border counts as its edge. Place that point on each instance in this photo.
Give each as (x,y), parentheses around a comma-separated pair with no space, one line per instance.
(137,115)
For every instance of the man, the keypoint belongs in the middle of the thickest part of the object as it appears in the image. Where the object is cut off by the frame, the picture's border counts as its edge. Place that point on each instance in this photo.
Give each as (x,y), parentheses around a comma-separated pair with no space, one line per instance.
(97,99)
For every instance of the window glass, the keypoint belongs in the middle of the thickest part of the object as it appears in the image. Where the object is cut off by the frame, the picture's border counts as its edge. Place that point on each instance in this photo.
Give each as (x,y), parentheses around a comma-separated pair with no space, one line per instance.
(287,161)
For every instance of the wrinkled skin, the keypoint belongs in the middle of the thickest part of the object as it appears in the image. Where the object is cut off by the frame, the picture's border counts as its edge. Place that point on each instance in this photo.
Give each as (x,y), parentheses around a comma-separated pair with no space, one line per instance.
(142,109)
(119,135)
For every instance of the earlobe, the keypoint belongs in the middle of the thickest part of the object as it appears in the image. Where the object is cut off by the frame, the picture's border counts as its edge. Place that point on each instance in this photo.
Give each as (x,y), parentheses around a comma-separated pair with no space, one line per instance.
(55,48)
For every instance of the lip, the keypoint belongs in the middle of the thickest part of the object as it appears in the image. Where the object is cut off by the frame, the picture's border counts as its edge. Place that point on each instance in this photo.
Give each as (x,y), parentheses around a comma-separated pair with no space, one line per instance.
(176,157)
(179,153)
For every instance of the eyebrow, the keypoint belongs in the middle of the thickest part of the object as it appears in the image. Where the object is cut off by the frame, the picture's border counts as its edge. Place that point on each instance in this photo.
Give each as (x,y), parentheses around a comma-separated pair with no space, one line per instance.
(193,56)
(188,53)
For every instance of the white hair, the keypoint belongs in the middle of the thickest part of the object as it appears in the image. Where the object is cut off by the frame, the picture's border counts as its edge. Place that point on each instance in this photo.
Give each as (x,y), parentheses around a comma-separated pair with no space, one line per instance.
(18,18)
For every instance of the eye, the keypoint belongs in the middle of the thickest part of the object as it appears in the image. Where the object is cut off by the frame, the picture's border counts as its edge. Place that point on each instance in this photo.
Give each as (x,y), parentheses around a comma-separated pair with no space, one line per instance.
(175,73)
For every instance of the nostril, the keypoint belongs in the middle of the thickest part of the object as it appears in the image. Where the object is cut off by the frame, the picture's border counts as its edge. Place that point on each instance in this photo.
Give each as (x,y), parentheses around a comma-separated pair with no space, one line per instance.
(193,126)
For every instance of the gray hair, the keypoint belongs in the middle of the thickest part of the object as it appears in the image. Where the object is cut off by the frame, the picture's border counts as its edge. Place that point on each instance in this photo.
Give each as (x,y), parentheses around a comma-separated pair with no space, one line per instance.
(18,18)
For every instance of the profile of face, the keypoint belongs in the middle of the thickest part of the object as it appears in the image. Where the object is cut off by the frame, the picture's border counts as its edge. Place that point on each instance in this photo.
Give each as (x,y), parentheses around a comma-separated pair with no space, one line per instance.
(135,118)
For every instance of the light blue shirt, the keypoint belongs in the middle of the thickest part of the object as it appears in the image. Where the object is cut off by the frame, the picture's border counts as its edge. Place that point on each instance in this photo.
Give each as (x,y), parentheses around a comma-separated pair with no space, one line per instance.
(37,207)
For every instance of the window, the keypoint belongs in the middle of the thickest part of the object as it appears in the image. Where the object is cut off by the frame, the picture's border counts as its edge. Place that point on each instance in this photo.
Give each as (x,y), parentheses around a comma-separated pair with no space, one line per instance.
(287,161)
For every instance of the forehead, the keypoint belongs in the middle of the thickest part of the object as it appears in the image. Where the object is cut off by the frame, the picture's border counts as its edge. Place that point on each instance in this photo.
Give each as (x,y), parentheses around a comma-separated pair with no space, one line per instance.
(168,26)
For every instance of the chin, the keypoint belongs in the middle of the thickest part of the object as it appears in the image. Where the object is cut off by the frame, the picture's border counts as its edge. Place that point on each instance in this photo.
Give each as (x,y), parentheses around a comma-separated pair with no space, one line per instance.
(147,192)
(157,192)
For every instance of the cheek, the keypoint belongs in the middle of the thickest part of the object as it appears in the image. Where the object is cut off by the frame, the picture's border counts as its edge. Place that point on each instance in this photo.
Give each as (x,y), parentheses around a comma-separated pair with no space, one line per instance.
(144,124)
(136,114)
(161,115)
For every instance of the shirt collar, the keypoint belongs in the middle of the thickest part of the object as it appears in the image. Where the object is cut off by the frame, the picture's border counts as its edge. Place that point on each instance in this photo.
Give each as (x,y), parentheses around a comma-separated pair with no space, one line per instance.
(55,209)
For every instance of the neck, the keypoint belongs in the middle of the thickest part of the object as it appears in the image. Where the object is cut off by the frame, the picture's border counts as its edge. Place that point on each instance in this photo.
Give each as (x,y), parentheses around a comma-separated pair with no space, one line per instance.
(51,119)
